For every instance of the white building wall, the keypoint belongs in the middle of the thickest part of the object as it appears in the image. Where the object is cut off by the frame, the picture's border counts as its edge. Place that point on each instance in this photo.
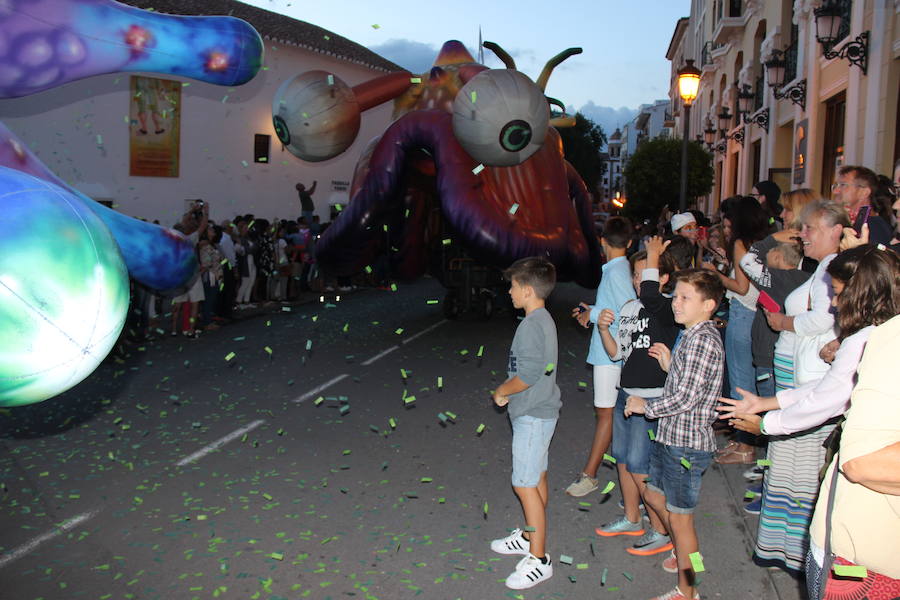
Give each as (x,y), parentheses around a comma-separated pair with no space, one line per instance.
(217,133)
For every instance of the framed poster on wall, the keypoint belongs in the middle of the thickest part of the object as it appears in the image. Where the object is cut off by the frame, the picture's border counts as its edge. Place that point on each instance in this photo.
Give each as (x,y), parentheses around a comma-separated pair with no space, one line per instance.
(154,127)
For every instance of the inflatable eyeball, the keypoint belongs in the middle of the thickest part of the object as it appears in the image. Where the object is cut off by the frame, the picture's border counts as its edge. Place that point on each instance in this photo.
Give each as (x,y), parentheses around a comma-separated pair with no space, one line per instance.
(500,117)
(316,115)
(63,289)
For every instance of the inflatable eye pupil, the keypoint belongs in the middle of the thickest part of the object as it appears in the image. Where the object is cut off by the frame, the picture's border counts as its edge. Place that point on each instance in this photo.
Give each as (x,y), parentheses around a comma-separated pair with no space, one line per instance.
(281,130)
(515,135)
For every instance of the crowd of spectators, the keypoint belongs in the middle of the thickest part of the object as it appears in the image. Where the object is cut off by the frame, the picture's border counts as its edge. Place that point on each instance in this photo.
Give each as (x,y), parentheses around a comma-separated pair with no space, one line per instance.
(808,321)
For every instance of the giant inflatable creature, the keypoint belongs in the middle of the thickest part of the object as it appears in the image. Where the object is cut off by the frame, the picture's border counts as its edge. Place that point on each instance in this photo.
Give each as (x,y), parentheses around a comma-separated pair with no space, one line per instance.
(65,259)
(472,154)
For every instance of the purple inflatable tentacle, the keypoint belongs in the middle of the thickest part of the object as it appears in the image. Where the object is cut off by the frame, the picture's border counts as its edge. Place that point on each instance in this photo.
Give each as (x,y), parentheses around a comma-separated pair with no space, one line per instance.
(351,242)
(46,43)
(159,258)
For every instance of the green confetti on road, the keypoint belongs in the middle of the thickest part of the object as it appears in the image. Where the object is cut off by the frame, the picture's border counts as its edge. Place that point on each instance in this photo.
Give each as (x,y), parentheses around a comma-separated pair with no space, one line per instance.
(609,458)
(609,487)
(697,562)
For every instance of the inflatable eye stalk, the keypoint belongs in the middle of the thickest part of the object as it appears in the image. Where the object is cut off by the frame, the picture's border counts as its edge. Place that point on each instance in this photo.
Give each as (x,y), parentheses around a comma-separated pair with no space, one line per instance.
(317,116)
(500,117)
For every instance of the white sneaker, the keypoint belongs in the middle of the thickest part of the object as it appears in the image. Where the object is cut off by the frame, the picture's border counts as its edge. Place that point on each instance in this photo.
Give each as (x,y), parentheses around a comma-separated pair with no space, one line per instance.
(529,572)
(514,543)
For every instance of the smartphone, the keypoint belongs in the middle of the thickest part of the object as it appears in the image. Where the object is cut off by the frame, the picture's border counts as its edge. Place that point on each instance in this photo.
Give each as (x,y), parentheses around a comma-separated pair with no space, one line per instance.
(581,309)
(768,303)
(861,217)
(701,233)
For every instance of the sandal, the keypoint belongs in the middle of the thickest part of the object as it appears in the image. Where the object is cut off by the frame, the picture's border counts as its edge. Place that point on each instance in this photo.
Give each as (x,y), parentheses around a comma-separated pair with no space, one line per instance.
(735,457)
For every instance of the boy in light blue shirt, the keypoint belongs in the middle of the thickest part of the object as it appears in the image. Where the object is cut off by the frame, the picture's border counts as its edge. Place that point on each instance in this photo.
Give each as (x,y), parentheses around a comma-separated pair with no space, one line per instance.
(615,290)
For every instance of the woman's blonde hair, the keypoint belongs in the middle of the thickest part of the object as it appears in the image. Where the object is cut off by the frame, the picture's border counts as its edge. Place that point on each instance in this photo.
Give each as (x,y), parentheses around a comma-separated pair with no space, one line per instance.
(794,201)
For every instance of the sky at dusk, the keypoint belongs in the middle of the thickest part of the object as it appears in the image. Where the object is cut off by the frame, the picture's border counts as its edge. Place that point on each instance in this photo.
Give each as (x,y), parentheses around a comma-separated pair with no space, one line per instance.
(622,67)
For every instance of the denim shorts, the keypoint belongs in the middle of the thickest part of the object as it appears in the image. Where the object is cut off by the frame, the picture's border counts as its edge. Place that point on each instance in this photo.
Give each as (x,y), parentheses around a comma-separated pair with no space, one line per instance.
(670,477)
(530,447)
(631,444)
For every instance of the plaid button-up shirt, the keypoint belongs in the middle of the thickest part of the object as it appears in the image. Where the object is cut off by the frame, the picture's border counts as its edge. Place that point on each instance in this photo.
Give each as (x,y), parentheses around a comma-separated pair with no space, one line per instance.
(687,408)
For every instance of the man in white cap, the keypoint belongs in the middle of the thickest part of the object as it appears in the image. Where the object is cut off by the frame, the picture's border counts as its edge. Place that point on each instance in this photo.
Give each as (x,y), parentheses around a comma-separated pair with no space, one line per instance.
(685,225)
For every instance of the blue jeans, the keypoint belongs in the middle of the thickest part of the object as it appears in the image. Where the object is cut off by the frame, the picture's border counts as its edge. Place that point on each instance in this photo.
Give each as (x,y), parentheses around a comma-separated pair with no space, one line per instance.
(530,449)
(738,352)
(631,444)
(677,481)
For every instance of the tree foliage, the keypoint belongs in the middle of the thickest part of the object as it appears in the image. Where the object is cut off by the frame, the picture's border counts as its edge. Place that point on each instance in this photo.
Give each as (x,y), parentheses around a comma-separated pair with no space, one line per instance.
(653,176)
(581,145)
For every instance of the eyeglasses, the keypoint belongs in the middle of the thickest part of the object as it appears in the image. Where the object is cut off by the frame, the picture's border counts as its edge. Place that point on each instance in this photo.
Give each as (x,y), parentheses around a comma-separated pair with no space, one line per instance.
(843,184)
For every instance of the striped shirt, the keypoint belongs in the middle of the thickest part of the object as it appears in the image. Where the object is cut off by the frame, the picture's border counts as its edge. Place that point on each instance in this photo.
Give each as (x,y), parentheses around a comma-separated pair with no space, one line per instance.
(686,410)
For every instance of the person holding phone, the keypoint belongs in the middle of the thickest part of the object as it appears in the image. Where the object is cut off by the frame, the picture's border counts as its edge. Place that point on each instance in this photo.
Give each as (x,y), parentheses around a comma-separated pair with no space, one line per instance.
(853,188)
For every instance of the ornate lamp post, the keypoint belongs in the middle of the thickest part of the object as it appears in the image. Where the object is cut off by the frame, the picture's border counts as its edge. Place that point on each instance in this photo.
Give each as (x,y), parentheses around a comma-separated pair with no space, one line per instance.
(688,86)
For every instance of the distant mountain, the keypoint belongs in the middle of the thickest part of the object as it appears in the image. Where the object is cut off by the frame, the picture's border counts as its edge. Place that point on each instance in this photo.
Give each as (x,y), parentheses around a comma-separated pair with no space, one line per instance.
(607,117)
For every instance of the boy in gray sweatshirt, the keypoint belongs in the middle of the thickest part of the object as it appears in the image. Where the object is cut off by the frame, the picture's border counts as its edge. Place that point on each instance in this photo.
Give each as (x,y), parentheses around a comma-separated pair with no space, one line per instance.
(534,401)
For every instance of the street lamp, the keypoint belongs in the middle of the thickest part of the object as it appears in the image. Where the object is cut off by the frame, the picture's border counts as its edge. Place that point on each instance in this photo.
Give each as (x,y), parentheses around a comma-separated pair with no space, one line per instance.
(688,86)
(709,134)
(745,99)
(829,19)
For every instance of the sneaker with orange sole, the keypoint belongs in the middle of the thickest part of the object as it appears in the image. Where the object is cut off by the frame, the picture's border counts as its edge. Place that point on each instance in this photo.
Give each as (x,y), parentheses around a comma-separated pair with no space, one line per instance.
(621,526)
(652,542)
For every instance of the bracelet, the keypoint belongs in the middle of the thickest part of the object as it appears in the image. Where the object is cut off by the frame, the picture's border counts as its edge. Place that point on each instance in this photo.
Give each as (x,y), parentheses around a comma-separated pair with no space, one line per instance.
(762,426)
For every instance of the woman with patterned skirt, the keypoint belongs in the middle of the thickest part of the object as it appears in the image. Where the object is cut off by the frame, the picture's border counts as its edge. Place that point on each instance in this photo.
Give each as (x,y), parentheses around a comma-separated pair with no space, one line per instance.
(791,482)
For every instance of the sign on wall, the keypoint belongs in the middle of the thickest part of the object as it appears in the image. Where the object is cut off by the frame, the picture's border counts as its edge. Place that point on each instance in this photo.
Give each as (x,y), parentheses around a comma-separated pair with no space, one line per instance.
(800,151)
(154,122)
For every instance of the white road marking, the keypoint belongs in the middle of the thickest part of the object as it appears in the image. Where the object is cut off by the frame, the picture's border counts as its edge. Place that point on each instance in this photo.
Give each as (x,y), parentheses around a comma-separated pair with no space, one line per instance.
(219,443)
(384,353)
(35,542)
(424,331)
(318,389)
(379,355)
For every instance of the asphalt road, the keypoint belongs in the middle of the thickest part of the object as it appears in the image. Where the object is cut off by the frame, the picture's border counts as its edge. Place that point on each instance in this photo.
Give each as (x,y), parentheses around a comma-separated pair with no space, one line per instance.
(180,471)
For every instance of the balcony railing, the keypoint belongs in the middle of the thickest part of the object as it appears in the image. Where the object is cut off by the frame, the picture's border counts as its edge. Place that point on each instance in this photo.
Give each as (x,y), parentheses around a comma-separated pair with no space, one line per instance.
(706,54)
(790,63)
(758,93)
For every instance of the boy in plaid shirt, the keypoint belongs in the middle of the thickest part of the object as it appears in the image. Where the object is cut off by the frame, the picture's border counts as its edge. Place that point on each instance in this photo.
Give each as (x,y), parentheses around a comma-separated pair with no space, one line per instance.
(686,412)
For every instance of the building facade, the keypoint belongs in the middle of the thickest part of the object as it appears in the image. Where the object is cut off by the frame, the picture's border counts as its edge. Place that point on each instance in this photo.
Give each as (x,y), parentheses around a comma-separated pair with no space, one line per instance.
(837,103)
(652,121)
